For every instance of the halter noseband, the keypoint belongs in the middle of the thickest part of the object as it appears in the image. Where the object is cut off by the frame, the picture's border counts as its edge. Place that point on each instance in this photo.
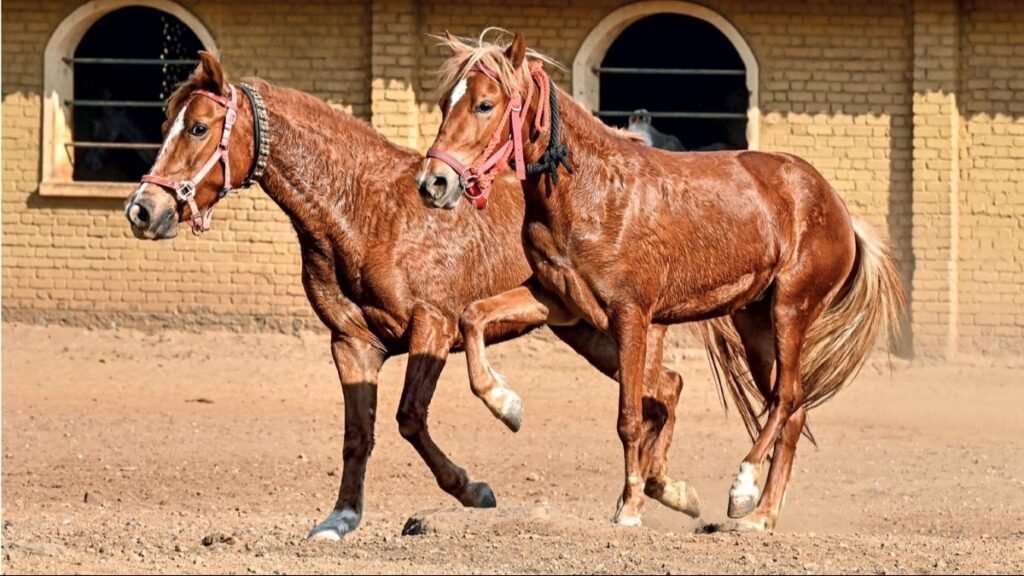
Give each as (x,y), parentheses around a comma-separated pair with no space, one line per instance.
(185,190)
(476,180)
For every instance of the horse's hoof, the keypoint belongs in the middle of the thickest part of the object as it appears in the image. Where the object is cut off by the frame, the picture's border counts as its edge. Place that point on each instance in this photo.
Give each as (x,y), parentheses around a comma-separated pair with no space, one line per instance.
(677,495)
(627,515)
(339,523)
(735,527)
(744,493)
(741,505)
(512,412)
(480,495)
(627,521)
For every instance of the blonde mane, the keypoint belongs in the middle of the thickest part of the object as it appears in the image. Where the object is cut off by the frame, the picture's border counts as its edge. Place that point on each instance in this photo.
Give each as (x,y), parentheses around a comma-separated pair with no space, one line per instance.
(467,52)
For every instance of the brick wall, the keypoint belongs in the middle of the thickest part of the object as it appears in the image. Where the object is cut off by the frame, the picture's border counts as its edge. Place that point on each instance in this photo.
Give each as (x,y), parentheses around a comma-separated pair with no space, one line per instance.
(991,199)
(867,91)
(75,260)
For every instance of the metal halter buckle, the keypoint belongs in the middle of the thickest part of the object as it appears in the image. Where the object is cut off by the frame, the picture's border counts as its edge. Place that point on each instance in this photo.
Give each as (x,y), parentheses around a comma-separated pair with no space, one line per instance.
(185,190)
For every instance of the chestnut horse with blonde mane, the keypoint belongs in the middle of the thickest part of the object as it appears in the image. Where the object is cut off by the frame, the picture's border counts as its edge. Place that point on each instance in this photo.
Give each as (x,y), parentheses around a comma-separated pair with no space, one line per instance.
(370,268)
(628,239)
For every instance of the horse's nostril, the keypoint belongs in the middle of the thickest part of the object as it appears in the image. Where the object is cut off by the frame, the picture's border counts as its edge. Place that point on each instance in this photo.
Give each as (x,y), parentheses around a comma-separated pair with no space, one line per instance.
(438,186)
(138,214)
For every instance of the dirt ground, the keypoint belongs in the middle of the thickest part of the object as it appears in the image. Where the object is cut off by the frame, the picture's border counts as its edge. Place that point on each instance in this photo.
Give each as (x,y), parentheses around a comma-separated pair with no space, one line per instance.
(123,450)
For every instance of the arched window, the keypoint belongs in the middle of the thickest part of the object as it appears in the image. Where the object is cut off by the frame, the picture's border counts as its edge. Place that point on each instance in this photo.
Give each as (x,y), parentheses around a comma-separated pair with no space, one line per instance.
(684,64)
(109,68)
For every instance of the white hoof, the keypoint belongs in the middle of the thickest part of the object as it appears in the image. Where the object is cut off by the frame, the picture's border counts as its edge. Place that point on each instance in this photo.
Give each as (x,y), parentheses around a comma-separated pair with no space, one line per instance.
(744,493)
(681,497)
(628,521)
(339,523)
(506,405)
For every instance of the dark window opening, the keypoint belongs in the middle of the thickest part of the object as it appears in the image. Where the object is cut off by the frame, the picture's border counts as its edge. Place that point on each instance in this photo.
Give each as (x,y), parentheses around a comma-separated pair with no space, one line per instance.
(683,71)
(125,67)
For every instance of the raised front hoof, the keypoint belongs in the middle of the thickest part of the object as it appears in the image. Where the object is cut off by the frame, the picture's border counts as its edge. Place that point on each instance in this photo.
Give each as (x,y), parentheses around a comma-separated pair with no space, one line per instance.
(678,495)
(512,414)
(339,523)
(506,406)
(479,495)
(744,526)
(741,505)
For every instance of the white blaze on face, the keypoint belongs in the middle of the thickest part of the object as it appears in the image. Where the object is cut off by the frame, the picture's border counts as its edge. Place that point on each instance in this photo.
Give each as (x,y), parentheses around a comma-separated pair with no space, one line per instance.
(457,93)
(174,132)
(172,135)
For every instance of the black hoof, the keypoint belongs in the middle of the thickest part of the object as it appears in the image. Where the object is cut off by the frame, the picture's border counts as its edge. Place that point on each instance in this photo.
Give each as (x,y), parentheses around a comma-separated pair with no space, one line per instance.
(479,495)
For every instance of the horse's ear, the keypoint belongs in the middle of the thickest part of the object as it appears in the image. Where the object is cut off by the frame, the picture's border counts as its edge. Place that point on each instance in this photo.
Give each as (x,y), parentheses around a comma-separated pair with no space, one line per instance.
(516,51)
(451,41)
(210,73)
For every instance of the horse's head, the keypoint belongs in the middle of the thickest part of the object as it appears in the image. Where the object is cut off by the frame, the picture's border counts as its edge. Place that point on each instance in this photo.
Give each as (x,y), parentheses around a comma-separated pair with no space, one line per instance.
(194,168)
(485,101)
(640,118)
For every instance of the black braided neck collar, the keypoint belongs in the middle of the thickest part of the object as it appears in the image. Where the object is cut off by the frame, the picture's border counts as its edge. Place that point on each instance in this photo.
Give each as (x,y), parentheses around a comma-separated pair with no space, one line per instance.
(261,135)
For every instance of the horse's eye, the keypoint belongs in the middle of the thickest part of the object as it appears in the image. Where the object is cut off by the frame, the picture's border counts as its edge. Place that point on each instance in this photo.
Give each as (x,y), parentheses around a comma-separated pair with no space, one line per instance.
(484,107)
(198,130)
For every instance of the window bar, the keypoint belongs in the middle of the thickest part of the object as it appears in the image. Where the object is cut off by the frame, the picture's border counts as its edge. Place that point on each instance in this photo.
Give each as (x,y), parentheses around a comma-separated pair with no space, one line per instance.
(124,103)
(116,145)
(691,115)
(672,71)
(131,61)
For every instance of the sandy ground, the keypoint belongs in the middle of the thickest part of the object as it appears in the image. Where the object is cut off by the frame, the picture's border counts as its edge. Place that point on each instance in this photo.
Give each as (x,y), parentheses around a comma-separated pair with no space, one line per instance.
(123,450)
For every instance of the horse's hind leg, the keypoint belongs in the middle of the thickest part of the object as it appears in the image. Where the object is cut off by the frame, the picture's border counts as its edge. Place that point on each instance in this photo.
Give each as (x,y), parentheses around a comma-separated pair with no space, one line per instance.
(430,337)
(661,396)
(754,325)
(768,509)
(358,363)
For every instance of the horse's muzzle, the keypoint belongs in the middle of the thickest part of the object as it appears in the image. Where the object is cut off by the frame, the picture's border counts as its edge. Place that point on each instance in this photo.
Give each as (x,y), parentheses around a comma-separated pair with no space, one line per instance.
(440,189)
(149,220)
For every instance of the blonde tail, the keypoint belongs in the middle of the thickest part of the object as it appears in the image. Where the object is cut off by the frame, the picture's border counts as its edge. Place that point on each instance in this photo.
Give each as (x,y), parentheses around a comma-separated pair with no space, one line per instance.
(838,342)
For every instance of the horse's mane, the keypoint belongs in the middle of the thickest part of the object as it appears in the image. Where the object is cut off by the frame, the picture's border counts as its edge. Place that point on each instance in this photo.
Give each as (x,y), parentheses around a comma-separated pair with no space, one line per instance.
(466,52)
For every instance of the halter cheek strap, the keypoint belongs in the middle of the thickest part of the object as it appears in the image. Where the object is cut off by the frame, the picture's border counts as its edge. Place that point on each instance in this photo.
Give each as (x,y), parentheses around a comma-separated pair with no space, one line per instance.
(476,180)
(185,190)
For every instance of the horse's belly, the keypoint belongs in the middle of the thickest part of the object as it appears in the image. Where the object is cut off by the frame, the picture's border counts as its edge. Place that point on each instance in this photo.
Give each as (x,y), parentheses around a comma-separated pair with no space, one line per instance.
(685,301)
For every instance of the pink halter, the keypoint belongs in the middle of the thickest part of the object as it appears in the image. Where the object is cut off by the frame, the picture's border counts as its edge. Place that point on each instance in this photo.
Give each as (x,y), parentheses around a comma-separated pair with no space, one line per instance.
(185,190)
(476,180)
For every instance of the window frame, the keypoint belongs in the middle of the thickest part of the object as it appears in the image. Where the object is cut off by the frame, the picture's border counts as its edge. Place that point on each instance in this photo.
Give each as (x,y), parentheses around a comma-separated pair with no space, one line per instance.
(586,81)
(58,86)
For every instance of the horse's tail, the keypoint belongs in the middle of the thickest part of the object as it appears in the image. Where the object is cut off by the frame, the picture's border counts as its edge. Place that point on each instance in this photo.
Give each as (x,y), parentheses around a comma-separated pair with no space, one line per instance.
(871,304)
(840,340)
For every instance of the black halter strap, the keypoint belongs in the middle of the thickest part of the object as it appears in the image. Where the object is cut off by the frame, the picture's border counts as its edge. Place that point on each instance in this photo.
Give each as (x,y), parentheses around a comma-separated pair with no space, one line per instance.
(557,154)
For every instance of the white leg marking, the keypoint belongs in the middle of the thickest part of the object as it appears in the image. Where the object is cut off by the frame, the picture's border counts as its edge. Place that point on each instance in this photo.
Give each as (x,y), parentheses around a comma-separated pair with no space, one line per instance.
(339,523)
(746,482)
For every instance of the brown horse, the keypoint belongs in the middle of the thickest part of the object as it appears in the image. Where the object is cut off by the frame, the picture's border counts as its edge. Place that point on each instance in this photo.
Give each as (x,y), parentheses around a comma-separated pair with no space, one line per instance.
(369,266)
(627,239)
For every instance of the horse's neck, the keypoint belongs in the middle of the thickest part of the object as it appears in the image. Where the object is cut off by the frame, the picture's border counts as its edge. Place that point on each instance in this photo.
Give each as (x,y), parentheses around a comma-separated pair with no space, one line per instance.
(585,136)
(330,173)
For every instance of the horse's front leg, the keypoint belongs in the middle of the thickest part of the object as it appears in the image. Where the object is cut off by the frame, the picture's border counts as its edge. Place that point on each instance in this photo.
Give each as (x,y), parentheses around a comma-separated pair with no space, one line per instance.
(525,305)
(358,364)
(630,326)
(430,335)
(662,387)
